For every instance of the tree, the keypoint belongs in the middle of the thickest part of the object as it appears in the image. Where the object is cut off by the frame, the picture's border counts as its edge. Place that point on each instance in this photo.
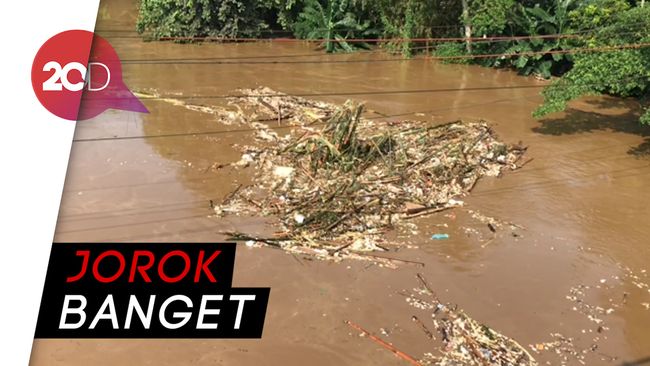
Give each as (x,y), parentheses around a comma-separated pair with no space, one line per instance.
(467,26)
(335,21)
(621,72)
(198,18)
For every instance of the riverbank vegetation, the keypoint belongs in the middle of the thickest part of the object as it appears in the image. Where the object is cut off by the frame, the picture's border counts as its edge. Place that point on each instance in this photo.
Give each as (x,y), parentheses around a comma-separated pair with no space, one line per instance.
(595,46)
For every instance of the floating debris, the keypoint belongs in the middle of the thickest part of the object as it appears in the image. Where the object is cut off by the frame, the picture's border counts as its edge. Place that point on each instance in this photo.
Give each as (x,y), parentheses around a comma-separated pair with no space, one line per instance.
(267,105)
(594,313)
(226,116)
(493,223)
(563,347)
(581,349)
(384,344)
(337,189)
(466,341)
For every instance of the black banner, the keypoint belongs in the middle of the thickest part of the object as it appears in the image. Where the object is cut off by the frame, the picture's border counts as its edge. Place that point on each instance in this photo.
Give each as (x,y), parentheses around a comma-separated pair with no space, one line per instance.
(147,290)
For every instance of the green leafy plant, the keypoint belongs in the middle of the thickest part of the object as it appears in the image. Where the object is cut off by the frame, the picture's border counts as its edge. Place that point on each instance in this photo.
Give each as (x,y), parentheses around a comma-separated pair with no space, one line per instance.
(624,72)
(282,12)
(333,21)
(537,57)
(198,18)
(491,17)
(410,19)
(510,18)
(449,49)
(594,14)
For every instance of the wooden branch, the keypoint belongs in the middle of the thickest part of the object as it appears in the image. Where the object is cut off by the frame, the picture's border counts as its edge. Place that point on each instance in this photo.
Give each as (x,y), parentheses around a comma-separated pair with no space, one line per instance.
(385,344)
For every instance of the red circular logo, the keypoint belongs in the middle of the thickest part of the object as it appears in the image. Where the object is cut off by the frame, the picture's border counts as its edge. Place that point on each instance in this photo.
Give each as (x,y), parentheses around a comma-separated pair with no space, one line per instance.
(59,71)
(77,75)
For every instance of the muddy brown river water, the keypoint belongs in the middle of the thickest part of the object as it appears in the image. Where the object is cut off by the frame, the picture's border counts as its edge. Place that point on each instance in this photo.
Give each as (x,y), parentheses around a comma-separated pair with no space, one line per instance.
(583,201)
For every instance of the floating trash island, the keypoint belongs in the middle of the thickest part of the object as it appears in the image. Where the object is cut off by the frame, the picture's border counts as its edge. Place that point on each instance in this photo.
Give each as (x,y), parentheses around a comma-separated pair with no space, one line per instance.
(338,180)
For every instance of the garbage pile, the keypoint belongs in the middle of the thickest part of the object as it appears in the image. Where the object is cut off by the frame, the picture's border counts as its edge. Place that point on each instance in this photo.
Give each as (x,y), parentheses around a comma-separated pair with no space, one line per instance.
(338,179)
(464,340)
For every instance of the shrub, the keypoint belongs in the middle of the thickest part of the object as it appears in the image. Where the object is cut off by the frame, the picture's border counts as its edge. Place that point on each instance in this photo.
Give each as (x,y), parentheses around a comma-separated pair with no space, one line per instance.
(624,72)
(449,49)
(200,18)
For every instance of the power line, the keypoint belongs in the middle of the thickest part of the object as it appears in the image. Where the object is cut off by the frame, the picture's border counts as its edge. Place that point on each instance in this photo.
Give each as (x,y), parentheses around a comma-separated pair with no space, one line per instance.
(71,190)
(351,93)
(219,132)
(312,54)
(638,171)
(207,60)
(334,94)
(553,52)
(156,209)
(298,55)
(151,209)
(133,224)
(371,40)
(356,40)
(191,205)
(131,30)
(575,34)
(553,182)
(197,179)
(434,58)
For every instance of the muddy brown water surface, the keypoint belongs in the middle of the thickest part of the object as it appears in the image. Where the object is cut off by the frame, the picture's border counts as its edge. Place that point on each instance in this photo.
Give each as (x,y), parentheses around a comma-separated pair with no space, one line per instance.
(583,201)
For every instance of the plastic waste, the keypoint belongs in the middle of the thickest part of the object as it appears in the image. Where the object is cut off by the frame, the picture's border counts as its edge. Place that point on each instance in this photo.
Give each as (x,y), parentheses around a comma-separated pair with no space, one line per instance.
(440,236)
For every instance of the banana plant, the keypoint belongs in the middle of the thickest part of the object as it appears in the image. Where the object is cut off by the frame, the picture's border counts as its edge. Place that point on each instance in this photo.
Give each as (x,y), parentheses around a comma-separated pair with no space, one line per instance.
(535,21)
(332,20)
